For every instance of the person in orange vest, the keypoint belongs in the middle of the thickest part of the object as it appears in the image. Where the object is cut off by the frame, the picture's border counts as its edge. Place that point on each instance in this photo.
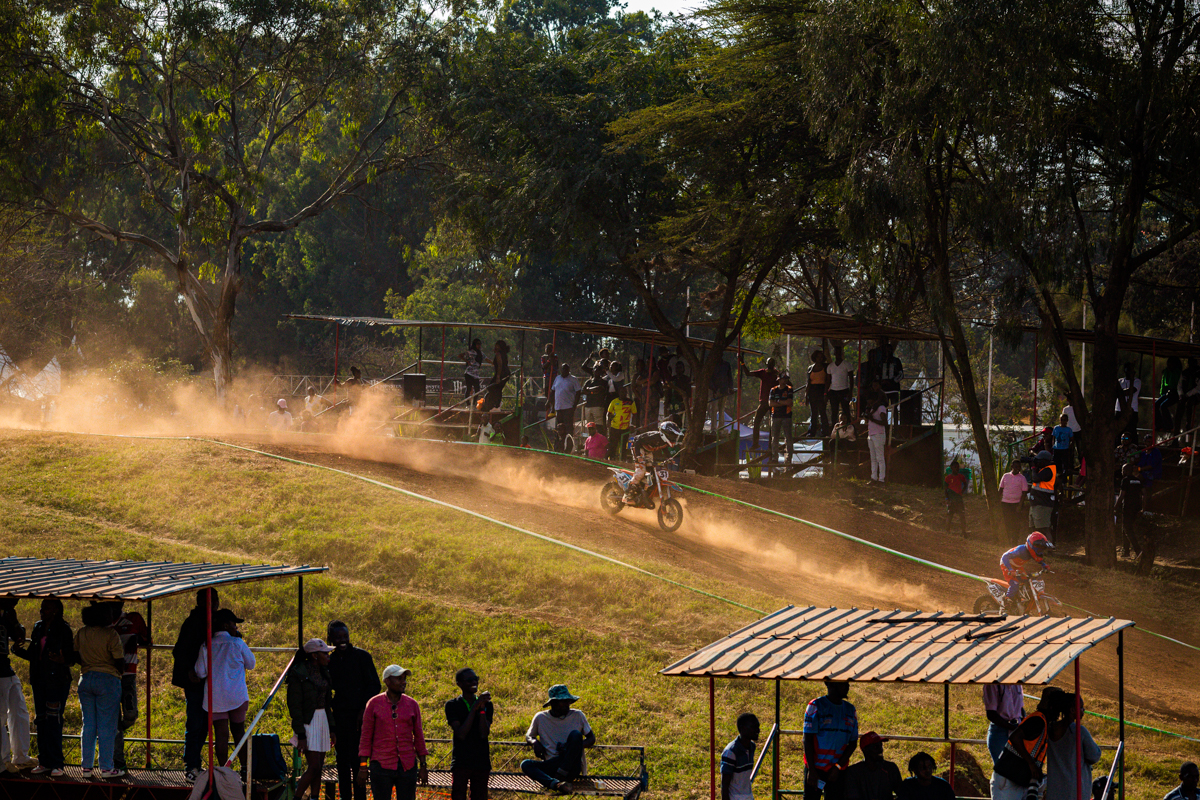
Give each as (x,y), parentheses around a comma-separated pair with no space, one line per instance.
(1022,763)
(1042,476)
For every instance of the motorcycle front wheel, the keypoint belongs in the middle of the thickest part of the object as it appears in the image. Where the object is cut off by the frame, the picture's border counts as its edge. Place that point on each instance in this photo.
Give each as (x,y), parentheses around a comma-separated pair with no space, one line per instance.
(1053,610)
(670,515)
(986,604)
(611,497)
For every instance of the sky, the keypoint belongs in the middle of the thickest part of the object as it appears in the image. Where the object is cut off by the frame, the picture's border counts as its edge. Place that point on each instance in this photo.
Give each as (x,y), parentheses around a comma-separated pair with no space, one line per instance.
(665,6)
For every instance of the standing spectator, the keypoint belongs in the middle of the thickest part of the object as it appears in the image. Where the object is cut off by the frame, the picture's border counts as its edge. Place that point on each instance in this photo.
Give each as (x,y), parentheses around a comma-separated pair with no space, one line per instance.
(183,655)
(1013,487)
(781,418)
(1189,777)
(134,633)
(1150,462)
(231,657)
(1004,705)
(873,778)
(615,377)
(14,744)
(49,653)
(1168,395)
(737,760)
(1061,763)
(841,373)
(1129,509)
(956,489)
(620,417)
(1064,460)
(681,394)
(565,390)
(500,375)
(354,682)
(354,388)
(470,718)
(891,371)
(768,378)
(472,365)
(877,435)
(549,371)
(102,660)
(720,386)
(830,736)
(1041,493)
(1129,392)
(814,394)
(308,701)
(595,398)
(558,738)
(1020,767)
(596,445)
(924,785)
(280,419)
(392,745)
(1189,390)
(1044,442)
(313,403)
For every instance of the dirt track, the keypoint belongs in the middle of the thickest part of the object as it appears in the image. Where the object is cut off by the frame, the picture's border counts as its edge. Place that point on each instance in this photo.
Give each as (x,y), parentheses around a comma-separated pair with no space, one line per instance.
(800,564)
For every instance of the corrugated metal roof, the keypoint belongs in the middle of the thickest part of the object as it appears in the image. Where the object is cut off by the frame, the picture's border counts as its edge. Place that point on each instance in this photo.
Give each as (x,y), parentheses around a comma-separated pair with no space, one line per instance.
(1129,342)
(610,331)
(898,646)
(385,322)
(126,580)
(825,324)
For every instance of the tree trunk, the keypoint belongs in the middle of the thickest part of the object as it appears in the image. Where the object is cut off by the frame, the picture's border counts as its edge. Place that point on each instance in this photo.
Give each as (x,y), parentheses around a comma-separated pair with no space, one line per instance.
(1100,538)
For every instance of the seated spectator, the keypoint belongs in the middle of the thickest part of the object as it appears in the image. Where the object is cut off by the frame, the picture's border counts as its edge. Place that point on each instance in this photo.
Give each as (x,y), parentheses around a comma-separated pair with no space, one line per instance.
(231,657)
(313,403)
(49,654)
(392,744)
(924,785)
(1189,777)
(281,418)
(558,738)
(470,717)
(737,760)
(873,778)
(956,490)
(844,429)
(596,444)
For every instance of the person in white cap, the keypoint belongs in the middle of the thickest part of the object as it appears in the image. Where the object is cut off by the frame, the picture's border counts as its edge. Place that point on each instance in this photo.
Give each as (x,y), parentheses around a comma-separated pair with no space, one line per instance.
(281,418)
(558,738)
(392,744)
(308,691)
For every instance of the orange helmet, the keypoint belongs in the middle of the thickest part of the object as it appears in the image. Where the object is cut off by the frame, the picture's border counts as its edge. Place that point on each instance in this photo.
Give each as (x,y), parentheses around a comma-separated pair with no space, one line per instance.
(1038,543)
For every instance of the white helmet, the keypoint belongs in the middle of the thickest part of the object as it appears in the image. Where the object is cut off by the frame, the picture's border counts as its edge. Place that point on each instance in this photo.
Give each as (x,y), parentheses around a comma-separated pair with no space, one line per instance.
(670,430)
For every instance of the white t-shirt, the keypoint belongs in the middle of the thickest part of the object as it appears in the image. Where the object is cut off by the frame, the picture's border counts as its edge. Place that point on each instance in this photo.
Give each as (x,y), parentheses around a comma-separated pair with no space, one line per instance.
(839,376)
(564,390)
(1137,390)
(552,731)
(876,428)
(231,658)
(280,420)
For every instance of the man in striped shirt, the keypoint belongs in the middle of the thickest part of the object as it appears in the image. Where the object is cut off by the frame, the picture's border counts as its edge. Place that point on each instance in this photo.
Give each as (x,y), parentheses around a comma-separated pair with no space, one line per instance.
(737,760)
(1189,777)
(830,737)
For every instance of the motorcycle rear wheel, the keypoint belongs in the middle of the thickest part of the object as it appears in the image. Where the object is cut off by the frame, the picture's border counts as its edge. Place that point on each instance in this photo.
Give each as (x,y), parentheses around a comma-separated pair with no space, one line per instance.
(612,498)
(986,604)
(670,515)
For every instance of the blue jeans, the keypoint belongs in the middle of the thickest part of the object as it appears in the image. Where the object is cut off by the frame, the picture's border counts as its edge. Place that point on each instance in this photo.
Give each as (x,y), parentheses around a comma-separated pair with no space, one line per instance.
(997,735)
(565,766)
(100,699)
(383,780)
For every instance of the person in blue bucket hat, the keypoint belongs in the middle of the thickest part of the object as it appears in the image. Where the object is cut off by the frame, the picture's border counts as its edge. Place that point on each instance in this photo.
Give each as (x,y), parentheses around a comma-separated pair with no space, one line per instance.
(558,737)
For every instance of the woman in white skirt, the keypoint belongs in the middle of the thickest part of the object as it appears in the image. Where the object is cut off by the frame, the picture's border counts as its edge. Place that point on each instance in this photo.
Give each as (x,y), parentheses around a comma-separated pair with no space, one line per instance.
(308,689)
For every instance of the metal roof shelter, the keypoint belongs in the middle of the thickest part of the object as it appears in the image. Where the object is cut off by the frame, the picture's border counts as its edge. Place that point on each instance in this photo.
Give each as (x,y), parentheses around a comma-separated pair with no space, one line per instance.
(611,331)
(816,324)
(870,645)
(386,322)
(1146,345)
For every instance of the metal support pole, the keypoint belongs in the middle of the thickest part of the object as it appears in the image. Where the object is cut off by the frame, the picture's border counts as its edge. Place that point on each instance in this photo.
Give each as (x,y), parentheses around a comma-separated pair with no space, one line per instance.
(337,329)
(299,611)
(1121,710)
(442,375)
(712,738)
(1154,389)
(649,376)
(737,416)
(149,654)
(946,729)
(1078,736)
(1036,342)
(775,752)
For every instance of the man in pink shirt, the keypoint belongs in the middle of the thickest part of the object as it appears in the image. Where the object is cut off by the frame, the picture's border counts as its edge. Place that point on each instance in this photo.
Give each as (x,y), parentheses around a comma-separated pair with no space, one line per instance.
(392,745)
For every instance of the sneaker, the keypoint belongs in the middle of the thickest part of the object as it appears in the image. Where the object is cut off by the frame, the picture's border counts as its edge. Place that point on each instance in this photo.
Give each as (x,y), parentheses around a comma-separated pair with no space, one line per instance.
(190,775)
(39,770)
(562,787)
(109,774)
(56,773)
(86,772)
(10,767)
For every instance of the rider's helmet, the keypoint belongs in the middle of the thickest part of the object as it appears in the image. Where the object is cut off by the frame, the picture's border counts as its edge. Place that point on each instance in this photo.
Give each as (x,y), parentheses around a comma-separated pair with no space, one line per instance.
(671,431)
(1038,543)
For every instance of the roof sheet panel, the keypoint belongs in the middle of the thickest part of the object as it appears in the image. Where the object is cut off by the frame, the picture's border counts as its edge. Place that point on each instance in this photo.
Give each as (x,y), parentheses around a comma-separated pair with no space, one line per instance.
(899,646)
(126,580)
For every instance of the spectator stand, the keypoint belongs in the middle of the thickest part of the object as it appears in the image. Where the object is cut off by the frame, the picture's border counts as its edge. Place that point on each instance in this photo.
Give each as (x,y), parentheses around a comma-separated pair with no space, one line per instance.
(456,418)
(138,582)
(717,447)
(853,645)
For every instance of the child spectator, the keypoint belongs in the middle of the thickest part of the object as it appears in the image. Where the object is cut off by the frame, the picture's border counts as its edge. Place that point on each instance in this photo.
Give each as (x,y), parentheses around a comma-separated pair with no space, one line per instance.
(781,418)
(620,416)
(595,397)
(877,435)
(1013,486)
(473,363)
(549,372)
(1063,459)
(844,429)
(924,785)
(956,490)
(737,760)
(596,444)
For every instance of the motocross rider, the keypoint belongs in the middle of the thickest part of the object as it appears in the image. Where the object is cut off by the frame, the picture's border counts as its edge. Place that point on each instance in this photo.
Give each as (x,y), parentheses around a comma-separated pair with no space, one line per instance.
(646,448)
(1017,564)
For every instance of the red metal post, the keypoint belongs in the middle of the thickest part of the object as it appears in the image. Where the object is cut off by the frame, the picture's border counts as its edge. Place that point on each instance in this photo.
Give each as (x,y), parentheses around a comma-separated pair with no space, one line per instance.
(712,738)
(737,415)
(442,377)
(1154,389)
(1078,735)
(149,653)
(649,375)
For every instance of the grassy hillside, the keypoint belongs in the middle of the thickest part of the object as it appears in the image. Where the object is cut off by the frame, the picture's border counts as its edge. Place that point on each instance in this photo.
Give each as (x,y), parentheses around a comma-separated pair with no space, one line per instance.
(435,590)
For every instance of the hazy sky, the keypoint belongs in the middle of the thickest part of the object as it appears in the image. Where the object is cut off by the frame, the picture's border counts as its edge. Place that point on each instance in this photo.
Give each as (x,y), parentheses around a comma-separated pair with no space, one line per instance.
(665,6)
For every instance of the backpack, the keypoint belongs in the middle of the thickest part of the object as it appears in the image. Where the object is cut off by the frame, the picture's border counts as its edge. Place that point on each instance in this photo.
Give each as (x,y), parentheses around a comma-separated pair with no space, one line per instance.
(269,763)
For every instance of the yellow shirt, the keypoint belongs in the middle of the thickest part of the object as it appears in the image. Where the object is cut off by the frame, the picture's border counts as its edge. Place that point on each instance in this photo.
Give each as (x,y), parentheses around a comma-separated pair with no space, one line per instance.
(622,412)
(98,648)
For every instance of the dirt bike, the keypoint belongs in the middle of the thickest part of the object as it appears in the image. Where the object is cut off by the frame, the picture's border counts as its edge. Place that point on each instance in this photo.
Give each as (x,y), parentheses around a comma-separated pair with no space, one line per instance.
(670,512)
(1031,599)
